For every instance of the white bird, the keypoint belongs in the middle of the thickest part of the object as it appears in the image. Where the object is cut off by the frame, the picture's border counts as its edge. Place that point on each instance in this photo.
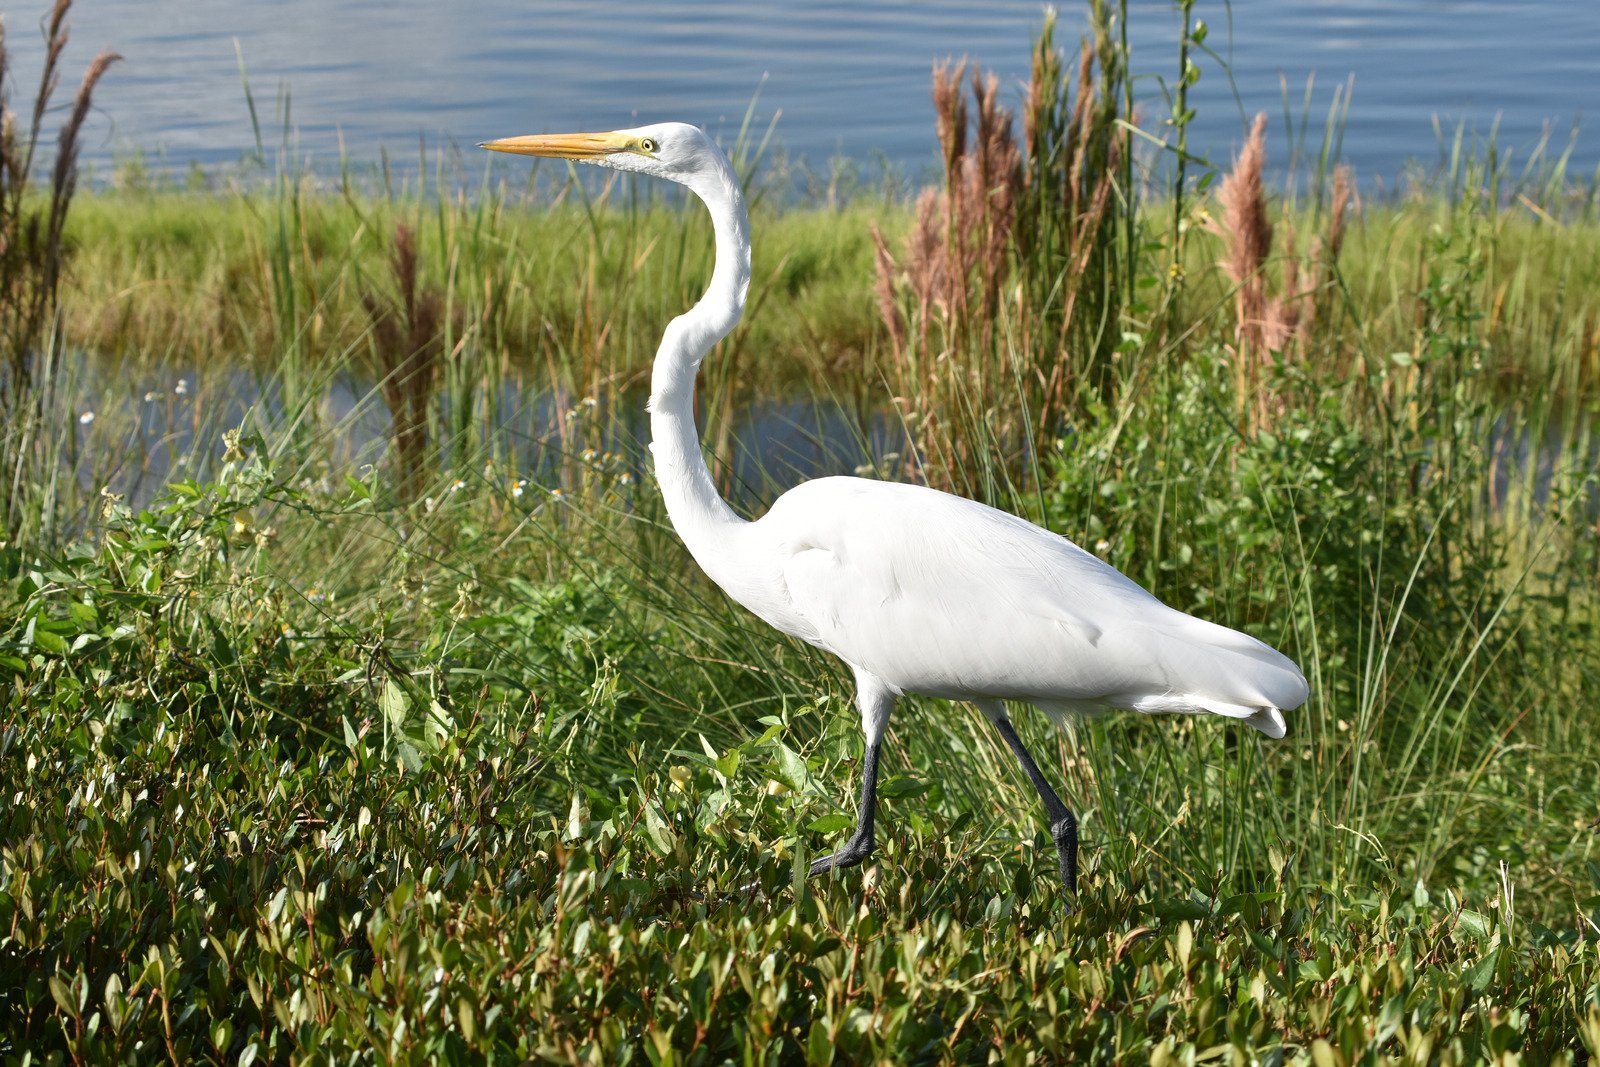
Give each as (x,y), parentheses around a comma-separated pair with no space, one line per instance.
(918,591)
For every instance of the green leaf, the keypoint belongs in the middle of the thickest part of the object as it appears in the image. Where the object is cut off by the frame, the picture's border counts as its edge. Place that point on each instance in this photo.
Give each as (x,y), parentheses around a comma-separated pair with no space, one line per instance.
(1480,974)
(116,1004)
(441,724)
(819,1046)
(656,828)
(1178,908)
(774,728)
(903,785)
(830,824)
(410,758)
(394,703)
(1475,923)
(45,641)
(63,995)
(791,769)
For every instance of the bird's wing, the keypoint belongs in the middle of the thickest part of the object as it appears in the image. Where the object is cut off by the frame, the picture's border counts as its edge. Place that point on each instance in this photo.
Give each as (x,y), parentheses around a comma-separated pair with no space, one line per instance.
(944,596)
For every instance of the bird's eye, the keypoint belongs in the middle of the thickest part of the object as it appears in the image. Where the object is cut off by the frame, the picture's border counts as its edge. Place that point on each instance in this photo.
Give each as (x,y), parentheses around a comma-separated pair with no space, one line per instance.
(648,144)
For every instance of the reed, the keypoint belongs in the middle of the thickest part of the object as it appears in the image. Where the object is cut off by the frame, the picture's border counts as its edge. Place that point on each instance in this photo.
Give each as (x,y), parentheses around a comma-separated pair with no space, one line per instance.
(407,347)
(1270,324)
(33,252)
(1044,219)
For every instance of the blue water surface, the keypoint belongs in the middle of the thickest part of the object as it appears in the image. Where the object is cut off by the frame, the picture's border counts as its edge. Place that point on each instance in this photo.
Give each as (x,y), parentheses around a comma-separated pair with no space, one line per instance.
(358,78)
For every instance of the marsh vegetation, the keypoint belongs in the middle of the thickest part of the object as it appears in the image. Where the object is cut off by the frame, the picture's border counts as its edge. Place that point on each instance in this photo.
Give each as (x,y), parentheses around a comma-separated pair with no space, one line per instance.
(360,703)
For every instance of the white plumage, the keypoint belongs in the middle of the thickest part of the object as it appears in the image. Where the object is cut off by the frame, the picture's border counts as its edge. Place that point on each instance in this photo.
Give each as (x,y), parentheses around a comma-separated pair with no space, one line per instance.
(946,597)
(917,590)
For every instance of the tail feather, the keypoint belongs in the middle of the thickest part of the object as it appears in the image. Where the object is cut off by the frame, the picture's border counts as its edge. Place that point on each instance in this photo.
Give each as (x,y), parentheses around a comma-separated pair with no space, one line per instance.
(1229,667)
(1264,717)
(1269,721)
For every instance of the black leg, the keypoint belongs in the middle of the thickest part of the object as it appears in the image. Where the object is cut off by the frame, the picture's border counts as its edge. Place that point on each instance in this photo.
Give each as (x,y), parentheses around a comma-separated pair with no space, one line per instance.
(1063,824)
(859,847)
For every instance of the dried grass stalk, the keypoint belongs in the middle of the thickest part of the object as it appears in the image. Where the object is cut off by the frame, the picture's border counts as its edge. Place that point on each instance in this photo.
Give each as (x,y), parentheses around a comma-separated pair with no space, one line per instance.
(957,247)
(1245,230)
(32,251)
(1247,241)
(1269,324)
(884,290)
(957,254)
(1039,217)
(407,347)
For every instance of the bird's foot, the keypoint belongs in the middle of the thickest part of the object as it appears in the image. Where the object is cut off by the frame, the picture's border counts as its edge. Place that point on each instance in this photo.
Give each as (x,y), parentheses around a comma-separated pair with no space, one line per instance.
(748,892)
(854,851)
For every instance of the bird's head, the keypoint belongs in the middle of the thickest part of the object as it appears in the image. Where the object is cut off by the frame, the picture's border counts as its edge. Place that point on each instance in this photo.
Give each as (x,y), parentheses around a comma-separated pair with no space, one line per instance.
(672,150)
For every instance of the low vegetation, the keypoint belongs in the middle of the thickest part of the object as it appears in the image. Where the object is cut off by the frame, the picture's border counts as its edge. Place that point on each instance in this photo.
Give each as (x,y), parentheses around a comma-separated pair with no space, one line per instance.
(359,703)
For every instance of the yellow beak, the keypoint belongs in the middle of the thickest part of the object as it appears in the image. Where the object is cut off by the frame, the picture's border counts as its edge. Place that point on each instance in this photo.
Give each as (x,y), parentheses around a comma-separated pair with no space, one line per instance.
(564,145)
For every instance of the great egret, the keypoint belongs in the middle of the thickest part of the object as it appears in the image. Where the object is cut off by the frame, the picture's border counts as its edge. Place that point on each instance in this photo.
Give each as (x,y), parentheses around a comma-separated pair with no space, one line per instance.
(917,590)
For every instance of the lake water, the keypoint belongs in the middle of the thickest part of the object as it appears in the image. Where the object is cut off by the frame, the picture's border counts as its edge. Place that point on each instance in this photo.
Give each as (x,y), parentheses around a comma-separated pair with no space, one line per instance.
(850,79)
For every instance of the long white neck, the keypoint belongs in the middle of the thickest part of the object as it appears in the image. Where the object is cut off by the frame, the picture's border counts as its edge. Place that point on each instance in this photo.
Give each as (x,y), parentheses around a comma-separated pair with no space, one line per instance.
(700,515)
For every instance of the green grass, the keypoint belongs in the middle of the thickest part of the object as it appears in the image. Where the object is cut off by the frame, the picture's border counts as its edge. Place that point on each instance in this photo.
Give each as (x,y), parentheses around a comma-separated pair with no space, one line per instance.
(486,780)
(296,770)
(235,277)
(275,278)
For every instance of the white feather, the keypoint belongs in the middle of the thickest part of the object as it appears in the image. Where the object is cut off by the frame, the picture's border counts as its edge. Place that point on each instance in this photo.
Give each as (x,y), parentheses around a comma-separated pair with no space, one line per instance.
(943,596)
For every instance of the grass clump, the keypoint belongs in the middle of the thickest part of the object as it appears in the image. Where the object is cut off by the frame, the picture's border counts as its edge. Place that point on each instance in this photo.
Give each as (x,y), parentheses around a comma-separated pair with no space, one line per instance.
(1045,222)
(419,808)
(33,252)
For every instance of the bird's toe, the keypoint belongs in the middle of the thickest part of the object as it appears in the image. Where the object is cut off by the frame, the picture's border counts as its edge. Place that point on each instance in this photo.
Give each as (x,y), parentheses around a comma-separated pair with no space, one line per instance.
(852,854)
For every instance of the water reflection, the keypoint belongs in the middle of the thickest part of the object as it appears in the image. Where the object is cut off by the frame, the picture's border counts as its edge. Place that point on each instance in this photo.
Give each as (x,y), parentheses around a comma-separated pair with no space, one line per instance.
(144,431)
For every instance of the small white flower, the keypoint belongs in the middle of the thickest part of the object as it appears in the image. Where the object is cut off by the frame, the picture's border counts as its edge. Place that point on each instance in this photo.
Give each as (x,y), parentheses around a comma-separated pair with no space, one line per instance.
(457,485)
(152,396)
(589,402)
(518,486)
(624,478)
(182,388)
(1102,546)
(86,418)
(557,494)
